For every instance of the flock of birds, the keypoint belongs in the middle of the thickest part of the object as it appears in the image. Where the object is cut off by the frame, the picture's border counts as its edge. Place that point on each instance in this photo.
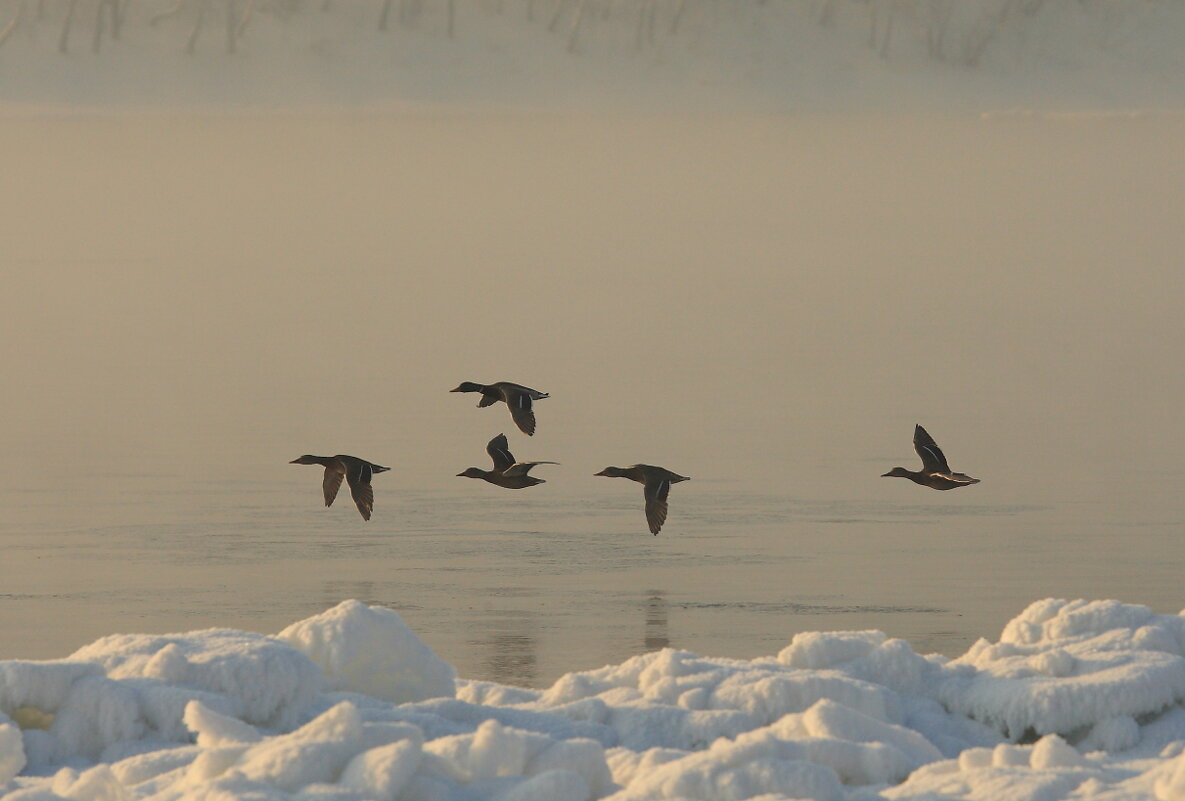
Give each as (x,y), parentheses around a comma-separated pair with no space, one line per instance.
(511,474)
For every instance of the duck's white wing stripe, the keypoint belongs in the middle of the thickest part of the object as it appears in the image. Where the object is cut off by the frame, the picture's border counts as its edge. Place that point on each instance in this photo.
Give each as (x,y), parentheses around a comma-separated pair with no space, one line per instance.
(958,478)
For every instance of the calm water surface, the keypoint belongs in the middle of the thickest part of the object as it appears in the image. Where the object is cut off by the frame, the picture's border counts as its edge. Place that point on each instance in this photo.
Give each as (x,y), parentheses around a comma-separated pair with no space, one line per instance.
(766,305)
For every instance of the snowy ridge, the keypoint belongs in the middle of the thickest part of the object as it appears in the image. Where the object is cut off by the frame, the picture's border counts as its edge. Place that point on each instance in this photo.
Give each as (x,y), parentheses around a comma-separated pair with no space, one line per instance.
(1077,699)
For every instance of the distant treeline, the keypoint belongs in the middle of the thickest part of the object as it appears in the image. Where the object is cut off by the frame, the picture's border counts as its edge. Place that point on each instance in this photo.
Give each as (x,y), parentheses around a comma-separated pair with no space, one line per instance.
(952,31)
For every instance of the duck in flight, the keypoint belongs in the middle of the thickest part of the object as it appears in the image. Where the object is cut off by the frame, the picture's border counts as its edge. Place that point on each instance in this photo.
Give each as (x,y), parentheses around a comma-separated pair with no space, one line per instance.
(355,471)
(516,396)
(935,472)
(656,485)
(507,472)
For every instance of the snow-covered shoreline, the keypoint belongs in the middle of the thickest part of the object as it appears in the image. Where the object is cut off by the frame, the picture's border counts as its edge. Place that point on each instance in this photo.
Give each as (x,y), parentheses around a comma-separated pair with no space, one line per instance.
(1077,699)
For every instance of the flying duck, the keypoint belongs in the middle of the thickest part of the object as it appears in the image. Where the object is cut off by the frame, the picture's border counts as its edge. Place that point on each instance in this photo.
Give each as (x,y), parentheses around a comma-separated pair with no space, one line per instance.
(507,472)
(516,396)
(656,485)
(935,472)
(355,471)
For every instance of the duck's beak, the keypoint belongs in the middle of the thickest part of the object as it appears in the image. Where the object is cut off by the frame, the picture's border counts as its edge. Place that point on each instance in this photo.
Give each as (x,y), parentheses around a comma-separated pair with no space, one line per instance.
(602,473)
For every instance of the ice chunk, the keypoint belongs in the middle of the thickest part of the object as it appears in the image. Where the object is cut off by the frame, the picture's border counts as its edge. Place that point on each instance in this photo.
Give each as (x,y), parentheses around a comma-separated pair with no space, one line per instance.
(819,649)
(144,767)
(1063,666)
(484,692)
(1092,617)
(491,751)
(40,686)
(552,785)
(369,649)
(643,727)
(866,655)
(316,752)
(94,784)
(830,719)
(768,695)
(626,764)
(270,683)
(974,758)
(741,769)
(95,713)
(1005,755)
(213,729)
(163,706)
(12,750)
(213,762)
(1055,662)
(1052,751)
(375,735)
(168,664)
(1112,734)
(585,758)
(381,773)
(1171,785)
(573,687)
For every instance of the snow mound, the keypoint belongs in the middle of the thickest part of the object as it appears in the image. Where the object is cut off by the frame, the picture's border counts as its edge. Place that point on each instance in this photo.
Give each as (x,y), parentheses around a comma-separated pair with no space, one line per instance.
(125,690)
(1067,666)
(368,649)
(350,705)
(255,677)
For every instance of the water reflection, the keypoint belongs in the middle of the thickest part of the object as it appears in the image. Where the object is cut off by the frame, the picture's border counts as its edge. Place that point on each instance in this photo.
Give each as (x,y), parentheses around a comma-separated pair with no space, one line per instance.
(510,652)
(655,637)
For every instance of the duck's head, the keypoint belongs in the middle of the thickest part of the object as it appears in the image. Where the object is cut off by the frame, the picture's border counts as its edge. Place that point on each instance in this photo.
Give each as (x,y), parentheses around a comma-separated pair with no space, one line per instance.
(467,386)
(472,472)
(308,458)
(896,472)
(612,472)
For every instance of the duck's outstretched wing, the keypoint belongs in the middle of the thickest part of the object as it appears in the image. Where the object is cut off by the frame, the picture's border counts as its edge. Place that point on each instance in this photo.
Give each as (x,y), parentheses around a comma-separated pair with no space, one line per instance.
(960,479)
(510,386)
(332,483)
(522,468)
(656,493)
(499,451)
(521,410)
(358,477)
(933,460)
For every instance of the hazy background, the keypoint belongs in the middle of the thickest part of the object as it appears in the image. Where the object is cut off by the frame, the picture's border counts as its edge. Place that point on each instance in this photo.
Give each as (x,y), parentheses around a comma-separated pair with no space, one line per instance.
(767,302)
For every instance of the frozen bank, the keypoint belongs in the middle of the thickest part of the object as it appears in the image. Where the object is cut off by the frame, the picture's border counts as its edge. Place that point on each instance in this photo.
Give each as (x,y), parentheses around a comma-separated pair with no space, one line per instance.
(1075,700)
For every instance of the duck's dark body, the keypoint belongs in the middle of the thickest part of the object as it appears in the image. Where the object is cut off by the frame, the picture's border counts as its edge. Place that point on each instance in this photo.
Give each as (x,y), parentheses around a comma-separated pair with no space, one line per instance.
(935,472)
(355,471)
(507,472)
(518,398)
(656,485)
